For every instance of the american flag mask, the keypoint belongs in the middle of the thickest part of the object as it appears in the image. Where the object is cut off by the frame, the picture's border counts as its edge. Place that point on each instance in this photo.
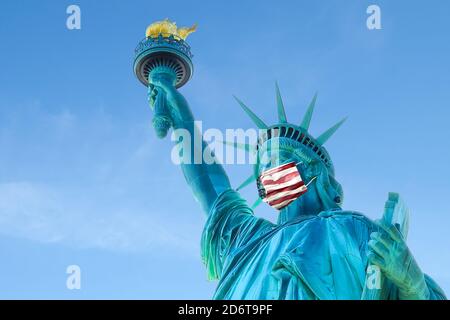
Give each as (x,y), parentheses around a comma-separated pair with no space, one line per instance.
(281,185)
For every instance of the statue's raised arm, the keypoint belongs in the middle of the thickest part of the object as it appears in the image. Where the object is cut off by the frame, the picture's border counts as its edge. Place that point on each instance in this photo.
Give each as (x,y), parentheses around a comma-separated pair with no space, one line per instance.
(163,64)
(207,181)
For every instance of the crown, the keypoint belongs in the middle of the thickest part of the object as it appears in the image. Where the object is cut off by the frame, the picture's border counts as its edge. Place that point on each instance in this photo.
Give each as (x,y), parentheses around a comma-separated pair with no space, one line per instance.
(166,28)
(309,146)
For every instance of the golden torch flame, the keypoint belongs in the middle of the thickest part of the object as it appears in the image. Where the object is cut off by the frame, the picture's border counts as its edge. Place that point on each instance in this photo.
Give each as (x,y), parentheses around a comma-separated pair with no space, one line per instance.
(167,28)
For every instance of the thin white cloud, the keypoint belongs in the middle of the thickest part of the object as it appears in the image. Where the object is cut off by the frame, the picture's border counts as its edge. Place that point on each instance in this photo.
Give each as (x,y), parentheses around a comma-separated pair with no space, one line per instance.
(38,213)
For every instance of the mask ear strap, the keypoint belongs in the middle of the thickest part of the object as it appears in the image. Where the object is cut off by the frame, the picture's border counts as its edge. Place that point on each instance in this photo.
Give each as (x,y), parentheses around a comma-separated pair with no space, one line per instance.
(310,181)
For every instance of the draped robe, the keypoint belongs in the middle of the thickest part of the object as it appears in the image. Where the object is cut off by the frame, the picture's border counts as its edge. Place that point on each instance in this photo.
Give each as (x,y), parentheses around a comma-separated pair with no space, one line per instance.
(320,256)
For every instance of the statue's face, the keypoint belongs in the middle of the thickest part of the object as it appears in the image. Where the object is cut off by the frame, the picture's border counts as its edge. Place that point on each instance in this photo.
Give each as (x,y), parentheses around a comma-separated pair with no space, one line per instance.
(309,171)
(323,193)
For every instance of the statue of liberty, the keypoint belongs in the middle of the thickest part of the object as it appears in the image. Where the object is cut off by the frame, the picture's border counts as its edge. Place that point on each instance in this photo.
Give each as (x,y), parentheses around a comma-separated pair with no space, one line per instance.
(316,250)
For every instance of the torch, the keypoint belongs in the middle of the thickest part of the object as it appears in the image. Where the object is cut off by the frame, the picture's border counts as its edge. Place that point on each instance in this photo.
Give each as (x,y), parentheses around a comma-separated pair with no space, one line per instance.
(164,52)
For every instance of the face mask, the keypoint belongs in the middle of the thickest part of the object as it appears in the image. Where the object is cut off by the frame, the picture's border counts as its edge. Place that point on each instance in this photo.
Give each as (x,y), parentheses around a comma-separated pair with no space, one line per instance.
(281,185)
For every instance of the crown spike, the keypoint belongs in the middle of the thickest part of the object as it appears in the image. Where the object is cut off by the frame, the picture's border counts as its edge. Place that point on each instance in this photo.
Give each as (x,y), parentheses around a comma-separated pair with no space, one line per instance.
(247,181)
(259,123)
(256,203)
(308,114)
(243,146)
(281,112)
(327,134)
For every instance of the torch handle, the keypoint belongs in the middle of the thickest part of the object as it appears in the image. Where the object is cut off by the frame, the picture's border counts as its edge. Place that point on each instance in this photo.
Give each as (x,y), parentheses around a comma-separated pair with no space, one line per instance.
(161,119)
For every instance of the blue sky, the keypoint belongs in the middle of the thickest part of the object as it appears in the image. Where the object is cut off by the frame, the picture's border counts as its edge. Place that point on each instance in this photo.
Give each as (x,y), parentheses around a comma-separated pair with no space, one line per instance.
(84,180)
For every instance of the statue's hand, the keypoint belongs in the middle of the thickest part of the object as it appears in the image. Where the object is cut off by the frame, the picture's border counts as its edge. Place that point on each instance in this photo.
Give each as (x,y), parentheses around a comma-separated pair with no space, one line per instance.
(175,106)
(158,82)
(388,250)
